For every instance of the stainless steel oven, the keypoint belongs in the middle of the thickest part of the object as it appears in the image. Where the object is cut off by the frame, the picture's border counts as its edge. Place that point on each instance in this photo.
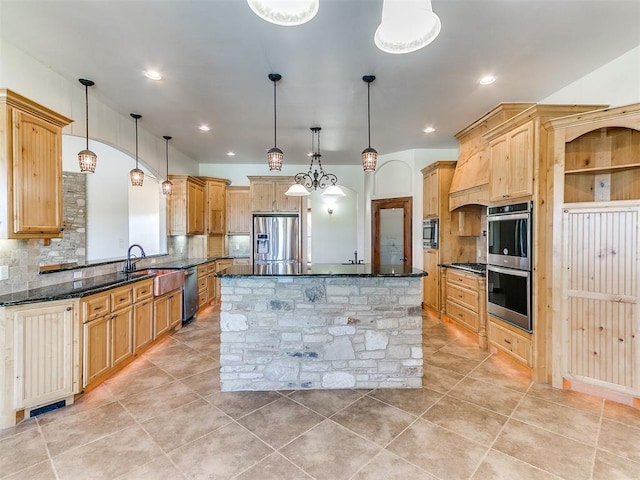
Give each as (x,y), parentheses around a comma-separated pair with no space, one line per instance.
(430,233)
(509,230)
(509,296)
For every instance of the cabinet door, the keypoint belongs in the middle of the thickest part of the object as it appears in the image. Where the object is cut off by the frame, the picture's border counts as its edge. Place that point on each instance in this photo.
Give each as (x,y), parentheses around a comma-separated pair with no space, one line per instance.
(122,332)
(262,196)
(238,211)
(46,353)
(177,208)
(142,324)
(498,176)
(97,349)
(161,315)
(37,178)
(431,205)
(431,283)
(285,203)
(521,161)
(215,208)
(468,224)
(195,209)
(175,308)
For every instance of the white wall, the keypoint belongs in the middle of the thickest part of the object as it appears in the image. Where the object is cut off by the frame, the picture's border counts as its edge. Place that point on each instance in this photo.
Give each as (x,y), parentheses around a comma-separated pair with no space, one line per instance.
(616,83)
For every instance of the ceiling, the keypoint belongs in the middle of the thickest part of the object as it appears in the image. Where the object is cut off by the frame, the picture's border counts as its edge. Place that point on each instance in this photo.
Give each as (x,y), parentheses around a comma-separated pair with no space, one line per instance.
(215,56)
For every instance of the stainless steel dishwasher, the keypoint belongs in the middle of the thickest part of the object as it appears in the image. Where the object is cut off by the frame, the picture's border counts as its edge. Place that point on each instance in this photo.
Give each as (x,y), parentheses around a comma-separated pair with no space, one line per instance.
(189,293)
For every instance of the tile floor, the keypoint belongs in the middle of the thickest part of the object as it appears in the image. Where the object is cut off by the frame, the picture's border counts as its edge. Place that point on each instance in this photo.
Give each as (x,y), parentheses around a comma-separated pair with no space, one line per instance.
(477,417)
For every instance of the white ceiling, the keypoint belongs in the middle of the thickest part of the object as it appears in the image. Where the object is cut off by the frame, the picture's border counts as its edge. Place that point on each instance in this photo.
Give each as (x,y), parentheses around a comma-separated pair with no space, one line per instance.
(215,56)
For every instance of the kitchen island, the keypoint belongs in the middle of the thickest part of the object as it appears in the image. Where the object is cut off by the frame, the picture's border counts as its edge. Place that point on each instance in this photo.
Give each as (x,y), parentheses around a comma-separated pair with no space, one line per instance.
(328,326)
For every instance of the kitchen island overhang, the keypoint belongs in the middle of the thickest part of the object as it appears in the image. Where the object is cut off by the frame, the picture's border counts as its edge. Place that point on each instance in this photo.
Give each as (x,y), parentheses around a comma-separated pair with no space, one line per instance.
(326,326)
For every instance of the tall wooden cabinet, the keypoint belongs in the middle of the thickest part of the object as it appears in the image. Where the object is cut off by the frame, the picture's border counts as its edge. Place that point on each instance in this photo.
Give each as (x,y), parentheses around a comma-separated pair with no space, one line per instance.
(238,210)
(512,164)
(186,206)
(215,206)
(30,168)
(595,318)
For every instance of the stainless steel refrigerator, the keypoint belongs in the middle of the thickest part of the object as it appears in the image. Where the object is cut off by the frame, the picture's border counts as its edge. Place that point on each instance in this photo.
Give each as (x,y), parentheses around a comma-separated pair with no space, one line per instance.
(276,239)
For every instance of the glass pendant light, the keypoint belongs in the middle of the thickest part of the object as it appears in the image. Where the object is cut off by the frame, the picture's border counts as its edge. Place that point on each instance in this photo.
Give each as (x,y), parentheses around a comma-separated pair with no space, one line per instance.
(86,158)
(406,26)
(137,175)
(275,155)
(167,185)
(285,12)
(369,155)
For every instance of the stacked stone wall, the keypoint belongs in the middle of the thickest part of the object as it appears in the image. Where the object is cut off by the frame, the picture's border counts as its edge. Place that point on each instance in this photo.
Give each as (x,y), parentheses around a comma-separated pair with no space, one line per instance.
(280,333)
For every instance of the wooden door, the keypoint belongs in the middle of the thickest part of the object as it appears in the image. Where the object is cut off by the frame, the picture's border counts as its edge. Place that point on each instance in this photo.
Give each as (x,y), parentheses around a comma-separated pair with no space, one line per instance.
(97,349)
(142,324)
(391,231)
(37,176)
(520,141)
(498,176)
(122,334)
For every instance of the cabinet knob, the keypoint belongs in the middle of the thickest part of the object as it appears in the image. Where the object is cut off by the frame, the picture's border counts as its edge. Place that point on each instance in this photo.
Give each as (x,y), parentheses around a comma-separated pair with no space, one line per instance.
(68,309)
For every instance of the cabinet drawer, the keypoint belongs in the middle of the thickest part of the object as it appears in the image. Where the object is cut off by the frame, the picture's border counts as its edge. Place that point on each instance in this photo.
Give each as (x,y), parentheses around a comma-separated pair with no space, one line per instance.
(465,317)
(466,298)
(95,306)
(203,284)
(222,265)
(142,290)
(463,279)
(121,297)
(519,346)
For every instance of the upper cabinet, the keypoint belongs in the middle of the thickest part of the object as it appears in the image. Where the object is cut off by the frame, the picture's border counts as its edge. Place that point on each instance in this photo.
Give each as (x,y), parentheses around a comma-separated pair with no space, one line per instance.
(186,206)
(30,168)
(215,211)
(267,195)
(511,164)
(238,210)
(436,180)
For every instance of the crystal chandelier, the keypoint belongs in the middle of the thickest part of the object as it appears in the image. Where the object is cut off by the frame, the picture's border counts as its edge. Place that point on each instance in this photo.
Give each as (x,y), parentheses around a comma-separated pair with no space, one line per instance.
(86,158)
(317,178)
(167,185)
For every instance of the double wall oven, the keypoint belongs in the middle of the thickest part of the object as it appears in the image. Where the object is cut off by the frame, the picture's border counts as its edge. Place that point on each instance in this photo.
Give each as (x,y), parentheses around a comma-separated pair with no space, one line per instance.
(509,264)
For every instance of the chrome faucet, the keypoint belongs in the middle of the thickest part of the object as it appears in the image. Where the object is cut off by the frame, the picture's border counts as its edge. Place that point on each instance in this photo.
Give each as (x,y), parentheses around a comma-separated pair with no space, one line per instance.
(355,260)
(130,265)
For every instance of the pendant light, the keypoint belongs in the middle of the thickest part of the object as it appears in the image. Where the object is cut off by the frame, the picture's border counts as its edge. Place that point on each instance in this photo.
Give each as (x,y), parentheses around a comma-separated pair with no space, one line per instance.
(137,175)
(317,178)
(86,158)
(369,155)
(406,26)
(285,12)
(167,185)
(275,155)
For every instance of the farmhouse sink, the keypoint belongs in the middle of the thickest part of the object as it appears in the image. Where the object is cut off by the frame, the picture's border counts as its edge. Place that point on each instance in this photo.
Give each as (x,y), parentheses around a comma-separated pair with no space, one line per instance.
(164,281)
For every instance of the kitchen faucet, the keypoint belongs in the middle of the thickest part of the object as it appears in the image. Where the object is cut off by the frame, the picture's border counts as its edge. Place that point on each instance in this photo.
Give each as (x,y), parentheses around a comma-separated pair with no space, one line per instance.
(355,260)
(130,265)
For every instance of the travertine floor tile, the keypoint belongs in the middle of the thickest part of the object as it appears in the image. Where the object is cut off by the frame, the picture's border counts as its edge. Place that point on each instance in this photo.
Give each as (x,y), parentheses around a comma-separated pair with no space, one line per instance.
(326,402)
(40,471)
(452,362)
(412,400)
(609,466)
(274,467)
(21,451)
(238,404)
(438,451)
(221,454)
(280,422)
(374,420)
(158,401)
(160,468)
(503,372)
(204,383)
(498,466)
(622,413)
(387,466)
(137,381)
(98,397)
(620,439)
(546,450)
(330,452)
(487,395)
(567,398)
(22,427)
(439,379)
(466,419)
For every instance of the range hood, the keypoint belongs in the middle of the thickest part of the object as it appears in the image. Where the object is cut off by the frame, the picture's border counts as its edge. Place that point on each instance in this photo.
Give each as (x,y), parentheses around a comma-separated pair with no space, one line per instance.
(470,183)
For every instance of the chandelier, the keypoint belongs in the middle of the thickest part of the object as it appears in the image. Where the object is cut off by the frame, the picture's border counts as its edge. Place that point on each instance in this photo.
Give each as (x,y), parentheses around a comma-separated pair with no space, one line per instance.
(136,175)
(314,179)
(86,158)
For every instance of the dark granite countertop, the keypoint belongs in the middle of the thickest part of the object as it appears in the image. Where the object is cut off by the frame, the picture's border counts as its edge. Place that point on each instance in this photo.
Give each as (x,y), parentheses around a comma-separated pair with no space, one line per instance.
(184,263)
(477,268)
(320,270)
(78,288)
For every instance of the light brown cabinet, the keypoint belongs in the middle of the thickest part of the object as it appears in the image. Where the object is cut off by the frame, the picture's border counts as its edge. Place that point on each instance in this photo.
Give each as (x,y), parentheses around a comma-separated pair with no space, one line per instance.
(267,195)
(206,283)
(167,312)
(142,324)
(431,193)
(185,208)
(466,301)
(510,340)
(511,164)
(30,168)
(215,193)
(238,210)
(221,265)
(466,223)
(431,283)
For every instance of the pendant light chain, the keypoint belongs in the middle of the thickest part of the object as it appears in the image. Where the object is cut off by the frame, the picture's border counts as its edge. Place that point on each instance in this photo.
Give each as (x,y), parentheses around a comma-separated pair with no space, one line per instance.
(86,104)
(275,155)
(369,111)
(275,116)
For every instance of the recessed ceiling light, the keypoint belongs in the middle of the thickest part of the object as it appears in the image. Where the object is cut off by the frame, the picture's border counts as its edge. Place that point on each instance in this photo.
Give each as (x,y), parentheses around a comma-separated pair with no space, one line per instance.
(204,128)
(231,154)
(429,130)
(487,80)
(153,75)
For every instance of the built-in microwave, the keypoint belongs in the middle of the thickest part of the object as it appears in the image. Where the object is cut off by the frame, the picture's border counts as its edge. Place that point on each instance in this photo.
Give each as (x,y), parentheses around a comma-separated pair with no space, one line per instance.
(430,233)
(509,230)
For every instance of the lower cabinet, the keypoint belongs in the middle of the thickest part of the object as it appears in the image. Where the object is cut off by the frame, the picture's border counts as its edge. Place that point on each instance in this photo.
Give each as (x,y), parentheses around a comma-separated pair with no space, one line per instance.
(142,324)
(97,349)
(167,311)
(431,283)
(513,341)
(466,301)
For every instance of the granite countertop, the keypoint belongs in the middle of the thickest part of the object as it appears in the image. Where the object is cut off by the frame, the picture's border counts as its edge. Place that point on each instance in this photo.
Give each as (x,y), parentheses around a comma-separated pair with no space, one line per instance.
(320,270)
(75,289)
(184,263)
(477,268)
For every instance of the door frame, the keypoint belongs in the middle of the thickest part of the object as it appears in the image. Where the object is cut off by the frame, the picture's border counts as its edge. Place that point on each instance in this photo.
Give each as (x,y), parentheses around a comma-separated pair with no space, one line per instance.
(405,203)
